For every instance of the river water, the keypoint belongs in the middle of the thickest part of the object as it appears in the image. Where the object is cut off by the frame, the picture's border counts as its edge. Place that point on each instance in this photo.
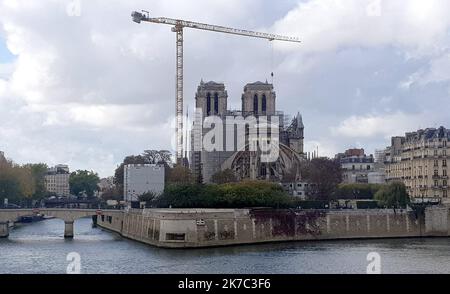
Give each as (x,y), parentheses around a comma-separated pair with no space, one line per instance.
(41,248)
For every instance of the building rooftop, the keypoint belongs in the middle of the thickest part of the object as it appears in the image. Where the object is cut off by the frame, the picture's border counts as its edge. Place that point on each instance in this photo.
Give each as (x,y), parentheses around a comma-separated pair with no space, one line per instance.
(211,86)
(428,134)
(258,86)
(59,169)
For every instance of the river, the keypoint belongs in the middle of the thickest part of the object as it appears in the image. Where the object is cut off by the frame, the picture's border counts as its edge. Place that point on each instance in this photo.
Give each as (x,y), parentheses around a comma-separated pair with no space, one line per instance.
(40,248)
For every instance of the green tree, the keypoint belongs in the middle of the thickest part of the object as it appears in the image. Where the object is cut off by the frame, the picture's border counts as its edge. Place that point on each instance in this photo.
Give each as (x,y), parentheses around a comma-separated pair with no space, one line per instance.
(358,191)
(38,172)
(9,187)
(147,197)
(224,177)
(232,195)
(16,182)
(83,181)
(393,196)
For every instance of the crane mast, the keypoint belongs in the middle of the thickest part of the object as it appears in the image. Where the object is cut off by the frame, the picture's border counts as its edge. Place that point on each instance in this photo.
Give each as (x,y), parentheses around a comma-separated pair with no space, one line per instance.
(178,26)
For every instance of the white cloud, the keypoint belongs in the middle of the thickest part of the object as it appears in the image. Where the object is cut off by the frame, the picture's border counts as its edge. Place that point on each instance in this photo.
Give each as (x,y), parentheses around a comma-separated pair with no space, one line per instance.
(333,24)
(439,70)
(385,126)
(6,69)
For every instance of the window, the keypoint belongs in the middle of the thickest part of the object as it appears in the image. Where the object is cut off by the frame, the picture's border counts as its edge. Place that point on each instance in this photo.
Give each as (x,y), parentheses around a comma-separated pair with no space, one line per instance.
(444,172)
(208,104)
(444,194)
(216,103)
(255,103)
(264,103)
(436,163)
(436,183)
(444,163)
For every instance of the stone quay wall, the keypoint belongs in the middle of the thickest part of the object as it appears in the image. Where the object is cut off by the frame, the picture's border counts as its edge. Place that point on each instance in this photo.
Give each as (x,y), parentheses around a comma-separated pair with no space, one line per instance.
(191,228)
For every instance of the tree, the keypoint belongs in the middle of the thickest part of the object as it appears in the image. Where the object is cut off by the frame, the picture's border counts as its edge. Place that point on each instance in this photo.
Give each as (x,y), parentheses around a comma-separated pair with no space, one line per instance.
(157,157)
(291,175)
(38,172)
(112,194)
(147,197)
(83,181)
(393,196)
(232,195)
(162,157)
(26,181)
(325,175)
(181,175)
(224,177)
(358,191)
(16,182)
(9,187)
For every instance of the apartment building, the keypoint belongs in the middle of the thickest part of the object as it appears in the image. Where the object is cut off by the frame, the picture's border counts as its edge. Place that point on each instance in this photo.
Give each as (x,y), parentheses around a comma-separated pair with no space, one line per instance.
(57,180)
(357,167)
(420,160)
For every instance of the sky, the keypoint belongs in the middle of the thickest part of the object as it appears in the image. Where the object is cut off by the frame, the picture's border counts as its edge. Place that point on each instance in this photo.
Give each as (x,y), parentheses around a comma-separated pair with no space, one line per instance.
(81,84)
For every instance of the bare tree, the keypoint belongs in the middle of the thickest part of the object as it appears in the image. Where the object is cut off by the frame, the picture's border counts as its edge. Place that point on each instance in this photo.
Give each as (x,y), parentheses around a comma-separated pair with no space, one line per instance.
(325,175)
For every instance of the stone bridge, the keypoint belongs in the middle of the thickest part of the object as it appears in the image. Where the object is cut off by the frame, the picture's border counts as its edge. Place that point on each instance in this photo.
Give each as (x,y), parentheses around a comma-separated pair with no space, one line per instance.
(67,215)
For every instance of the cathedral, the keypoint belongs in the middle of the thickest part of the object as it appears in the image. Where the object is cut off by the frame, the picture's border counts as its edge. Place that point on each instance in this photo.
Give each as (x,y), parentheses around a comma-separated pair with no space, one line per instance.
(246,160)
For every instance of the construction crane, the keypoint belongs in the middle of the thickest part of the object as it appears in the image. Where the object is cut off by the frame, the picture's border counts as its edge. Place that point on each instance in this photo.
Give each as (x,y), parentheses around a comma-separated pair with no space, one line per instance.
(178,26)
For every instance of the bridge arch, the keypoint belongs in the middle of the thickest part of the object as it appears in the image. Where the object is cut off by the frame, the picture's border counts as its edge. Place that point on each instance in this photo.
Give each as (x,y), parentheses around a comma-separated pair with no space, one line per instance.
(69,216)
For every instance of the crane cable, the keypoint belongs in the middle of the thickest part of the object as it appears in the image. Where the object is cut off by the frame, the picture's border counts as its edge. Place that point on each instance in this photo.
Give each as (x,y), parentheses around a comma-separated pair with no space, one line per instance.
(272,61)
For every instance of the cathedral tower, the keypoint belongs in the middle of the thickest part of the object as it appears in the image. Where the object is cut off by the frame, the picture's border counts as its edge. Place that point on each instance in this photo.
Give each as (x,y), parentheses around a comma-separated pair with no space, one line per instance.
(212,98)
(259,99)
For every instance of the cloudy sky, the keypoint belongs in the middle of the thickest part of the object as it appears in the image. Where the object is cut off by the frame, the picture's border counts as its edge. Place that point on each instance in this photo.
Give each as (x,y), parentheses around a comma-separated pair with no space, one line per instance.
(81,84)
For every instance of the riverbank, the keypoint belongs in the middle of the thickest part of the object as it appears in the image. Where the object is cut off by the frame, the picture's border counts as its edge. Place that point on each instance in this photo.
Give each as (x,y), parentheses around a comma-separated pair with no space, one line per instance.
(196,228)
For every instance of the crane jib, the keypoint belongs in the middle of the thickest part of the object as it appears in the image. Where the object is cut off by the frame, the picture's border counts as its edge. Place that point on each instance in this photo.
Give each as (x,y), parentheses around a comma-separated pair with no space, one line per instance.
(220,29)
